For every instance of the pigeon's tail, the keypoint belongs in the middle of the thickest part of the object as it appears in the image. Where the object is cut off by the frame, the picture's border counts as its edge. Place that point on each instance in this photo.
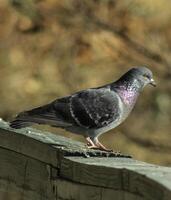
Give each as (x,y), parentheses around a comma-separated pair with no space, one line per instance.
(41,115)
(21,121)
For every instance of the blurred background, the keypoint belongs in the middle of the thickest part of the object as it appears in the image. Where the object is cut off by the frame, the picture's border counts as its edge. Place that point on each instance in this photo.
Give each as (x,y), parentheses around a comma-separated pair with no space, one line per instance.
(52,48)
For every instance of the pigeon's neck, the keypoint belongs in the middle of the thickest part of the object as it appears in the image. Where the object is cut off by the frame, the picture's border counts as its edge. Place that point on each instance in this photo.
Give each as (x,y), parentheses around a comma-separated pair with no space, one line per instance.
(128,90)
(129,97)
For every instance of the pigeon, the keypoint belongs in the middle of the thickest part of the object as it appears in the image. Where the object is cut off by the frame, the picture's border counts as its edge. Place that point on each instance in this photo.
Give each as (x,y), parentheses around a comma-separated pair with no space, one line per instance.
(93,111)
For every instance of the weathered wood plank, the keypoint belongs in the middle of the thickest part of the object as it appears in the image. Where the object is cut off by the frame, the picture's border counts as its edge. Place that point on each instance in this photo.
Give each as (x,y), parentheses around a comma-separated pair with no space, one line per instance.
(150,181)
(22,177)
(43,146)
(69,190)
(40,165)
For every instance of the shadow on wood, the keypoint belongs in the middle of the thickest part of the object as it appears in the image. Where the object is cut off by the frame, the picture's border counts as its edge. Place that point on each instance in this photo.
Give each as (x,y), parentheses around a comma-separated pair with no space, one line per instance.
(41,166)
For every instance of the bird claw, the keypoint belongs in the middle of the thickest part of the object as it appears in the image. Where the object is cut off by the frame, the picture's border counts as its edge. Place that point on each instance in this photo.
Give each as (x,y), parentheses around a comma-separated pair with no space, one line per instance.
(93,147)
(97,145)
(99,148)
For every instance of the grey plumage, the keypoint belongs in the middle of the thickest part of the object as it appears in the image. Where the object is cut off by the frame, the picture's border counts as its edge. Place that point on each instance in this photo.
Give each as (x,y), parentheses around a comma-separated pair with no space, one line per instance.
(93,111)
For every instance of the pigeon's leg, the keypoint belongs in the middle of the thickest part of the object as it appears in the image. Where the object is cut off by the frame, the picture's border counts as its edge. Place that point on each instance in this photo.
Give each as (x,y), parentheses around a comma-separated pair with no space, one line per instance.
(101,146)
(91,144)
(95,144)
(89,141)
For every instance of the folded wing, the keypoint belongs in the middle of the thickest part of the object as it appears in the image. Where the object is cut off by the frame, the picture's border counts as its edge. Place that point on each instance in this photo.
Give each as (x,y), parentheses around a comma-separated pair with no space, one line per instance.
(93,108)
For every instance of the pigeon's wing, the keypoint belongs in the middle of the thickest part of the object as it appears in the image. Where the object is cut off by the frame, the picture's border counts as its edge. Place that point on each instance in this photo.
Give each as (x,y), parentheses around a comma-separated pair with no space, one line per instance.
(94,108)
(56,113)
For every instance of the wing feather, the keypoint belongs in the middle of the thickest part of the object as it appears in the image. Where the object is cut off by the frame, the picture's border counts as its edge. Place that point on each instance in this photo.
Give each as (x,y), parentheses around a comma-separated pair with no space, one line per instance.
(92,108)
(95,108)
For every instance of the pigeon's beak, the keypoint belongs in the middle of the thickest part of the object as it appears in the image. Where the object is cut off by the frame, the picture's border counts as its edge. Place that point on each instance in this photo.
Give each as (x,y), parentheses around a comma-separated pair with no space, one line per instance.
(153,83)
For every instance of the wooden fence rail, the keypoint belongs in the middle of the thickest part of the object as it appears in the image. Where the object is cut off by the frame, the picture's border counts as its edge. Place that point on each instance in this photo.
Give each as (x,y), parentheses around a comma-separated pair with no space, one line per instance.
(37,165)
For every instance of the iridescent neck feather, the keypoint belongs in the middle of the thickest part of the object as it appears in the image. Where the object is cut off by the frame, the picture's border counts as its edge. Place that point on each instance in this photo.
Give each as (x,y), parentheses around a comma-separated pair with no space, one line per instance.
(128,91)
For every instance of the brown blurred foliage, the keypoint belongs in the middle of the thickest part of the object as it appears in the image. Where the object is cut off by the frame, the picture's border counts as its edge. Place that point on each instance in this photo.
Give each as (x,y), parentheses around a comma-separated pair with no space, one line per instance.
(51,48)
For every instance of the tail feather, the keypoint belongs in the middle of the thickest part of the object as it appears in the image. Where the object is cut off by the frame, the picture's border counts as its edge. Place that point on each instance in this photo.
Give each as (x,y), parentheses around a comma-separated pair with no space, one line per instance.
(21,121)
(17,124)
(40,115)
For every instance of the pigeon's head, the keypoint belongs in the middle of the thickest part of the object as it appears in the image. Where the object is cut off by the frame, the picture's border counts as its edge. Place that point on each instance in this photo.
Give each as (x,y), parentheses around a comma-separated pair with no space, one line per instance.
(136,79)
(142,75)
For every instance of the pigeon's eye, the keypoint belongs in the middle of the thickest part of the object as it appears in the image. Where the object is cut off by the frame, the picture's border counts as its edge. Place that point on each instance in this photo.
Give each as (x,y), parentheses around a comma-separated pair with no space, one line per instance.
(146,76)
